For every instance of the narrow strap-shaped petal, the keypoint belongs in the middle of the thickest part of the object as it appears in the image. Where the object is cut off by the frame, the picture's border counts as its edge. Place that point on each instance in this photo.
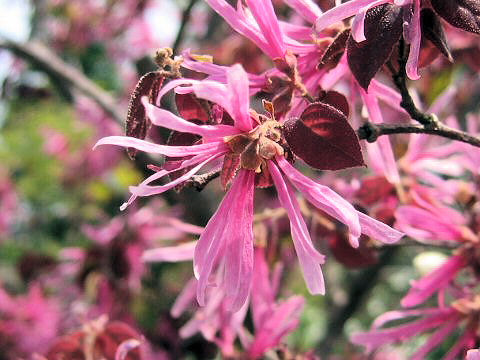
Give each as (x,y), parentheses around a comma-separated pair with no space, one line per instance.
(414,37)
(305,8)
(422,289)
(238,22)
(466,341)
(239,97)
(381,151)
(323,198)
(403,314)
(339,13)
(182,252)
(229,231)
(266,19)
(309,258)
(143,189)
(174,151)
(239,250)
(125,347)
(164,118)
(436,338)
(378,230)
(358,24)
(376,338)
(185,298)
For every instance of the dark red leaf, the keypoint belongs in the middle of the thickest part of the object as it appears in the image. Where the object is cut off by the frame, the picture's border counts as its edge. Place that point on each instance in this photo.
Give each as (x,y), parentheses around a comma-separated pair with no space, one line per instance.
(190,107)
(231,164)
(337,100)
(383,28)
(137,123)
(335,50)
(463,14)
(432,30)
(323,138)
(345,254)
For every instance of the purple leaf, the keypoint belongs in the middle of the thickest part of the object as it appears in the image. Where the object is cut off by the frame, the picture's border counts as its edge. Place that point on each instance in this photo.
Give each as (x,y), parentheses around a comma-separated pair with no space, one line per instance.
(190,108)
(383,28)
(433,31)
(335,50)
(137,123)
(337,100)
(323,138)
(463,14)
(178,138)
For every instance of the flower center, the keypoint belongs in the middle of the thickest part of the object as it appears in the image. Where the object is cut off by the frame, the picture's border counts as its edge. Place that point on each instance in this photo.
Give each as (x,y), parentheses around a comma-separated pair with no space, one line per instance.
(258,145)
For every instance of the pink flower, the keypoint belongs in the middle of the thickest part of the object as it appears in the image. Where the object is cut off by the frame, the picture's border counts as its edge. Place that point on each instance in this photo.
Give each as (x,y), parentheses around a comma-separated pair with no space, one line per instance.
(359,8)
(443,321)
(251,146)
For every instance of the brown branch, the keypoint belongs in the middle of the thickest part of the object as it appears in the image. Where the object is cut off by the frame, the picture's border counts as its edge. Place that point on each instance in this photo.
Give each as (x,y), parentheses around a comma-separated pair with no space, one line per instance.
(54,66)
(200,181)
(371,132)
(400,80)
(181,31)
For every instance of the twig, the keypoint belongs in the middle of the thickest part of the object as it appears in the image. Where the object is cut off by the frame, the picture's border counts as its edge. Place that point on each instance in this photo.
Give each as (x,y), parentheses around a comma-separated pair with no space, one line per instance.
(181,31)
(200,181)
(371,132)
(54,66)
(400,80)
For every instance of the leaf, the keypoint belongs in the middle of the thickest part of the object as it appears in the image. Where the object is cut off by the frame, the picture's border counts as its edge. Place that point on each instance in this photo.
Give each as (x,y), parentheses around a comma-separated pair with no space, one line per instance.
(231,164)
(344,253)
(432,30)
(190,108)
(383,28)
(337,100)
(374,189)
(323,138)
(137,123)
(463,14)
(335,50)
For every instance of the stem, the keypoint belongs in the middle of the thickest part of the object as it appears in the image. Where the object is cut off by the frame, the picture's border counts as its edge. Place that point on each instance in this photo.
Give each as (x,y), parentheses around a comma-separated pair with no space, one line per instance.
(400,80)
(181,31)
(200,181)
(371,132)
(56,68)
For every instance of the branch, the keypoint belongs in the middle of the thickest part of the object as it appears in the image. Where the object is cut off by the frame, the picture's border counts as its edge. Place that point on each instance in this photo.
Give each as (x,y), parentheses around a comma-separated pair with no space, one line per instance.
(55,67)
(371,132)
(181,31)
(200,181)
(400,80)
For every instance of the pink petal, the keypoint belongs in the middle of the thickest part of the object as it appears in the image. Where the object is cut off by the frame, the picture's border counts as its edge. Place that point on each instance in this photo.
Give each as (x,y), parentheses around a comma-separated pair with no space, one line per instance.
(305,8)
(265,16)
(339,13)
(146,190)
(376,338)
(323,198)
(125,347)
(422,289)
(164,118)
(239,97)
(185,298)
(182,252)
(414,37)
(380,151)
(378,230)
(230,229)
(436,338)
(174,151)
(240,24)
(309,258)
